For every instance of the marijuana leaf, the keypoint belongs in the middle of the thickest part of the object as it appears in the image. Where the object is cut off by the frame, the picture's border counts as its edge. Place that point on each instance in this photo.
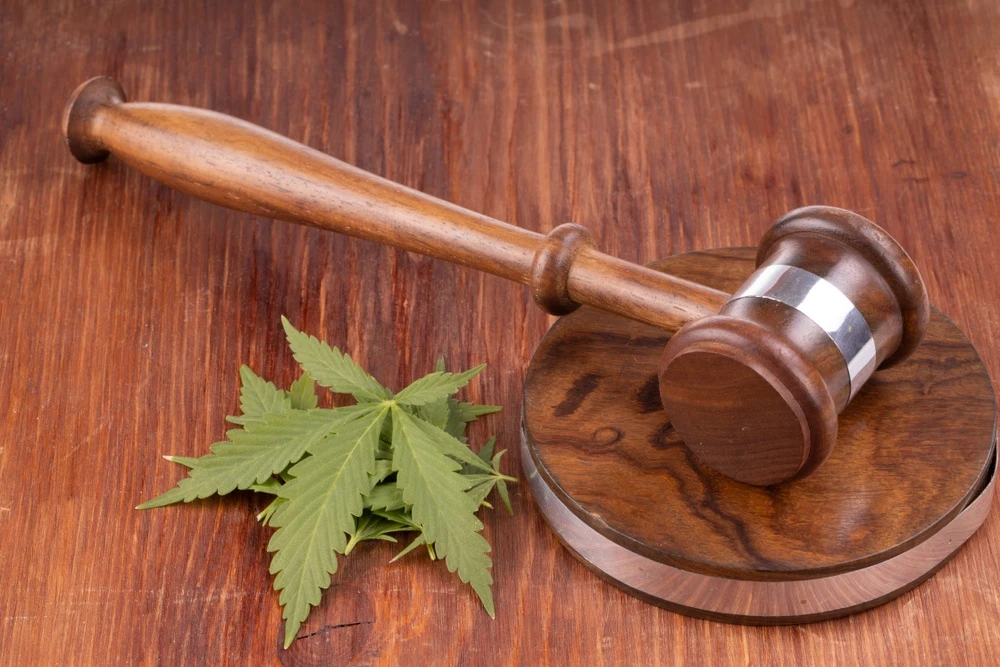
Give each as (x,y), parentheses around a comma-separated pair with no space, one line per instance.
(470,412)
(398,516)
(436,413)
(383,468)
(271,486)
(325,495)
(258,397)
(265,516)
(481,487)
(461,414)
(485,454)
(502,482)
(374,527)
(332,369)
(436,386)
(302,393)
(342,476)
(387,496)
(263,447)
(434,488)
(483,484)
(448,445)
(186,461)
(411,546)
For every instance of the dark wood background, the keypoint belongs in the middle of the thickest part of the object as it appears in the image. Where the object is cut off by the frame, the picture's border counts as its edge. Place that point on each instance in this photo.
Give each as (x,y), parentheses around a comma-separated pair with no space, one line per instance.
(126,309)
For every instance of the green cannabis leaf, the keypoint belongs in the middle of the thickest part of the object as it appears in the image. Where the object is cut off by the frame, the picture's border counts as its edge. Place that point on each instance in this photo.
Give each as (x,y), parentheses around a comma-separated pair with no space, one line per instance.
(436,387)
(335,371)
(376,527)
(434,488)
(265,446)
(340,477)
(259,397)
(324,498)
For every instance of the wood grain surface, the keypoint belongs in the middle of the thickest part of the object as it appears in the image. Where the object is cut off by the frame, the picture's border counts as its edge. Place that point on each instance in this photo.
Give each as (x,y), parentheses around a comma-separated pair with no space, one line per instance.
(912,452)
(127,308)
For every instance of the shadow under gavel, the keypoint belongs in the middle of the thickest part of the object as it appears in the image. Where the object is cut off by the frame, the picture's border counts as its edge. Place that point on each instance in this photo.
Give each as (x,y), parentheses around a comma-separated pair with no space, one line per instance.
(753,382)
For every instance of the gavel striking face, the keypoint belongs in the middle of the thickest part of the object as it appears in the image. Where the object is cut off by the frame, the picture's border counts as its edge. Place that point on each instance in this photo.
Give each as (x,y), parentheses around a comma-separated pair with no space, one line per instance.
(755,391)
(752,382)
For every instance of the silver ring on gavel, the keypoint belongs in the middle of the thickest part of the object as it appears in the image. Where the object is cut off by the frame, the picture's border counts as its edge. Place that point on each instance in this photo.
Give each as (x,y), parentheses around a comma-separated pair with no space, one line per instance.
(823,303)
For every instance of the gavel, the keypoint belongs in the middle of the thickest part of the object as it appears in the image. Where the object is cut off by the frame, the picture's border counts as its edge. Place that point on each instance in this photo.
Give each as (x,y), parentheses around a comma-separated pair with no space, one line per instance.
(752,382)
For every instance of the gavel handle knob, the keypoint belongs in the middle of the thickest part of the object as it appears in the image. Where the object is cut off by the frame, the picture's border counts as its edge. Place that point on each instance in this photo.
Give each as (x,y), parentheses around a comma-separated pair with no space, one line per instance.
(244,167)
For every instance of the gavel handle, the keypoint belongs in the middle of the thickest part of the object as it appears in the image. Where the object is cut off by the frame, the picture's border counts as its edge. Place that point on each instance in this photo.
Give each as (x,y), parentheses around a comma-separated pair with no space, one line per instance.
(247,168)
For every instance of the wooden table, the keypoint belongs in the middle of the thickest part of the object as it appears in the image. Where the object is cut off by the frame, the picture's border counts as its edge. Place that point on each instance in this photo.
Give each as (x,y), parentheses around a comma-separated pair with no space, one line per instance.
(126,308)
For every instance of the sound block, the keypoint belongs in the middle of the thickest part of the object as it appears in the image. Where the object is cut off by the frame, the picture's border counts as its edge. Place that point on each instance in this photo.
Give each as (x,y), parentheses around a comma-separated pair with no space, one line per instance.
(910,479)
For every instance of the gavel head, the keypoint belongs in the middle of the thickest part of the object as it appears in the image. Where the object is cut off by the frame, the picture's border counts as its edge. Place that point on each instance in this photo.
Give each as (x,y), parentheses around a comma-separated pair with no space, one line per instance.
(755,391)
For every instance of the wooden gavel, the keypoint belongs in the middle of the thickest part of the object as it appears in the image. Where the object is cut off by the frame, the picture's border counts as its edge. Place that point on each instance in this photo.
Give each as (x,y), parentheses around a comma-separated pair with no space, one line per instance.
(753,382)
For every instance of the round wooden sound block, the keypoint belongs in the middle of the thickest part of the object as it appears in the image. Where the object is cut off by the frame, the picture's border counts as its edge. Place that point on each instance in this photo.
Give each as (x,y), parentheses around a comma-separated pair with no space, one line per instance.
(910,479)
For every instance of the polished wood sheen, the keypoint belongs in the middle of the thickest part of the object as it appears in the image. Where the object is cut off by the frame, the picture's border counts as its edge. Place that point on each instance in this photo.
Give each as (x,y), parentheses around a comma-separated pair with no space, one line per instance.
(241,166)
(662,127)
(755,391)
(750,395)
(608,469)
